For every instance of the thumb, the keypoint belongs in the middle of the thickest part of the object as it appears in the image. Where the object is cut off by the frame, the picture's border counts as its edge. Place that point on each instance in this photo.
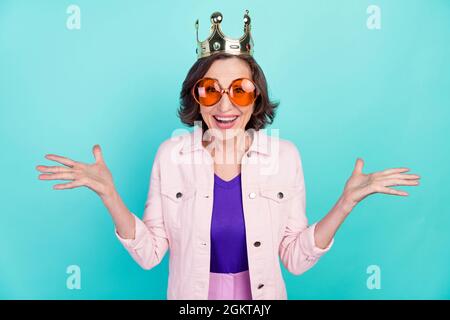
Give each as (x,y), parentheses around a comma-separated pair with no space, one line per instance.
(97,153)
(358,165)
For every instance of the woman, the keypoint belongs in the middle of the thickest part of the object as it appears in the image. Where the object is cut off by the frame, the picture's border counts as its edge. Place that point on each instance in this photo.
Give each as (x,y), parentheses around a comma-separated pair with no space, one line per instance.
(227,199)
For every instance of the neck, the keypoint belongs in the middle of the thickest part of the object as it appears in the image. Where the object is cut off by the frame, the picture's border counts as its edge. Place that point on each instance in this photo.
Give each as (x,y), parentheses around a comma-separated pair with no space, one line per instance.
(229,150)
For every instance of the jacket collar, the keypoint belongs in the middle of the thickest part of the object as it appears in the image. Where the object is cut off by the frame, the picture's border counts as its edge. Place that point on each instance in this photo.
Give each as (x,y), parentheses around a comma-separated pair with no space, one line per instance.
(260,141)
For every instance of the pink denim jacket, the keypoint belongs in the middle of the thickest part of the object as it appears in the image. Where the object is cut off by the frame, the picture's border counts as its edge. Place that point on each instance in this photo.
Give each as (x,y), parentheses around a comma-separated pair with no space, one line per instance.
(178,215)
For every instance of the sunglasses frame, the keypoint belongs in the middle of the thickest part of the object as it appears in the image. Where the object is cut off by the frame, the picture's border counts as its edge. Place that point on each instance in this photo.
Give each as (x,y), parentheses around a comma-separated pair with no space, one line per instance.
(227,91)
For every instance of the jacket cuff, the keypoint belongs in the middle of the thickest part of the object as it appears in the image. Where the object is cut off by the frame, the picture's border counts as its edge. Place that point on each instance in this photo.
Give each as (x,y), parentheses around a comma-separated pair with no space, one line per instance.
(309,244)
(140,229)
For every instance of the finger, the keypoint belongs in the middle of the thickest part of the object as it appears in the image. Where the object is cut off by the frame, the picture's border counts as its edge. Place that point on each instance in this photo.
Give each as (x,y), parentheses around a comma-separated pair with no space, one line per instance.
(358,166)
(393,191)
(403,176)
(70,185)
(394,170)
(97,153)
(399,182)
(52,169)
(62,160)
(57,176)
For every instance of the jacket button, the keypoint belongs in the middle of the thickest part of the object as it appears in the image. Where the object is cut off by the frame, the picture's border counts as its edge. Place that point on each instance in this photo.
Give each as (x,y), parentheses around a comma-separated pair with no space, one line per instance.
(260,285)
(252,195)
(179,195)
(257,244)
(280,195)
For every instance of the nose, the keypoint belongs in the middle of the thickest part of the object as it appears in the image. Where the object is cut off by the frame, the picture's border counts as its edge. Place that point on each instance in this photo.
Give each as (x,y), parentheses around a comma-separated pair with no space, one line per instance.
(225,104)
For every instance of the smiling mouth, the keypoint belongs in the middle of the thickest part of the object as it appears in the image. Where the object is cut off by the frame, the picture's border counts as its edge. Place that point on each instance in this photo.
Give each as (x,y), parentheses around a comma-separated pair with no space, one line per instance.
(225,119)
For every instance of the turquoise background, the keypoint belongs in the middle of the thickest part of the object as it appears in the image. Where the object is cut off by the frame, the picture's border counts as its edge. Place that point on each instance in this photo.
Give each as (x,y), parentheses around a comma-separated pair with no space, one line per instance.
(345,91)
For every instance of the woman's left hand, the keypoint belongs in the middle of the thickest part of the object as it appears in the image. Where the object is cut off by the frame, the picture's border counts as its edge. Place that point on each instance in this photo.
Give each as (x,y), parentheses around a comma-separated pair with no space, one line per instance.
(360,185)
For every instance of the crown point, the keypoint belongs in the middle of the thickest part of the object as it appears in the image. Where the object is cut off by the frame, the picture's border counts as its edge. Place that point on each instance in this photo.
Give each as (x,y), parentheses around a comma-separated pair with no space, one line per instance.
(216,17)
(247,19)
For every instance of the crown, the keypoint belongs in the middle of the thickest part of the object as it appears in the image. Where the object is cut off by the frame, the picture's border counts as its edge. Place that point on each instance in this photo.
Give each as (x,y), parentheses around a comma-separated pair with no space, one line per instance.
(219,42)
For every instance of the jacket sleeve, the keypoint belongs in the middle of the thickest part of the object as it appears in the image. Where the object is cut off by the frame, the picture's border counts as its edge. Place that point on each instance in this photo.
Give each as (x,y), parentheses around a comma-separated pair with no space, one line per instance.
(150,242)
(298,250)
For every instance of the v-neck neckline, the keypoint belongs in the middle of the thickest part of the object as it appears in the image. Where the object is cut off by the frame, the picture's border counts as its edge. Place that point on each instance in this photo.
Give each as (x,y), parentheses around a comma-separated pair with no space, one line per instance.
(227,184)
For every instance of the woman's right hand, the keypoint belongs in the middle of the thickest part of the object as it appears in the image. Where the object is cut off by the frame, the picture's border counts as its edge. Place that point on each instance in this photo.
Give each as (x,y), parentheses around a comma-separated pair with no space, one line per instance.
(95,176)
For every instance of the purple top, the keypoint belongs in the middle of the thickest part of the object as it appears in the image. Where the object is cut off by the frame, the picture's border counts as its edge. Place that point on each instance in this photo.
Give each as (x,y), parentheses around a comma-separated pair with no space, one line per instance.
(228,243)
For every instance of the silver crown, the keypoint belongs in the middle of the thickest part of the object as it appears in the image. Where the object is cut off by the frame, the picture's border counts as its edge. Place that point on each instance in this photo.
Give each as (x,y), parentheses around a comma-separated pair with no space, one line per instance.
(219,42)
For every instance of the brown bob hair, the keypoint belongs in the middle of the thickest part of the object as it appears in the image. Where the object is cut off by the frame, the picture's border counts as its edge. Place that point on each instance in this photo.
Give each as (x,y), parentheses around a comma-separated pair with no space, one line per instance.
(189,110)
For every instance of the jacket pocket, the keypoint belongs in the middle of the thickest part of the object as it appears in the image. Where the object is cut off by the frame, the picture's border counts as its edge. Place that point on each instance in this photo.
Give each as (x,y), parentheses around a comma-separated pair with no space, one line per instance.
(280,204)
(280,195)
(178,203)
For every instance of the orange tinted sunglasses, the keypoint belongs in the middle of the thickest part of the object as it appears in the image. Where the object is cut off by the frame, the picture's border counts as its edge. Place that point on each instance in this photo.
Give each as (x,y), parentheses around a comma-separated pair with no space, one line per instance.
(242,92)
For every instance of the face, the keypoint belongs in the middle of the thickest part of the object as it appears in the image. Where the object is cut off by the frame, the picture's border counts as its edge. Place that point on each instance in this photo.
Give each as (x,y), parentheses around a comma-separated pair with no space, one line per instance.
(220,116)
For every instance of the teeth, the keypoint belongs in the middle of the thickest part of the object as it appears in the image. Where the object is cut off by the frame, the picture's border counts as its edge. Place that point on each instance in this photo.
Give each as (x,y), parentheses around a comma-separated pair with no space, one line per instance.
(226,119)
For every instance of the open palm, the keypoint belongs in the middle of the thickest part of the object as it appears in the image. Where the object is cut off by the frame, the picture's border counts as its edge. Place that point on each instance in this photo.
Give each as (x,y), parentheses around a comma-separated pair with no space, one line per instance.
(95,176)
(360,185)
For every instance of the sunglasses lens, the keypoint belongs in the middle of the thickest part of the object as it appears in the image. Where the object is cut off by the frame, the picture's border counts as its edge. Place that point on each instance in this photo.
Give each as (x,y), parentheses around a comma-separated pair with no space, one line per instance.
(207,92)
(243,92)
